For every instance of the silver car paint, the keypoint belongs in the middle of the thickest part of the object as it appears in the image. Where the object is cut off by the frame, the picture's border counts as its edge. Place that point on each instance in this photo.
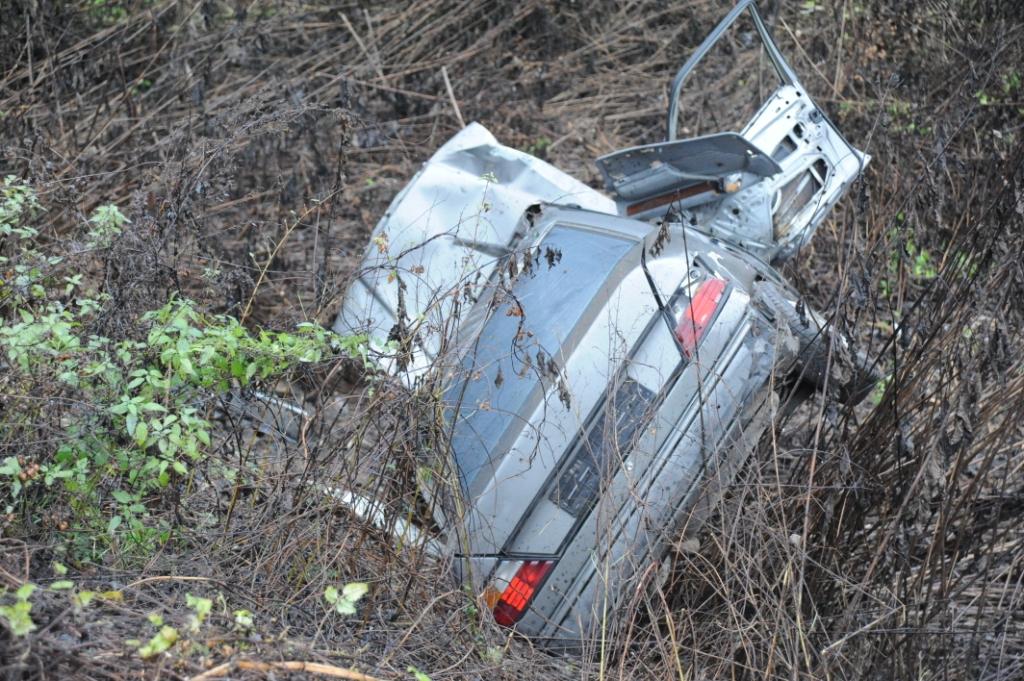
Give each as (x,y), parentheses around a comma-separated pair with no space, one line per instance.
(463,215)
(746,217)
(702,404)
(448,228)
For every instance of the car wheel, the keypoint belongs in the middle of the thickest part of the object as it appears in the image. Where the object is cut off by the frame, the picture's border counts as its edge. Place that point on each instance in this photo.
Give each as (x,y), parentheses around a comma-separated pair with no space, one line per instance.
(832,367)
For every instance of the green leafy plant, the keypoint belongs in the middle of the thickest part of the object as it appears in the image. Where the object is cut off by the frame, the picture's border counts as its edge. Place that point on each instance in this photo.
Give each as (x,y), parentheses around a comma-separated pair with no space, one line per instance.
(146,427)
(201,608)
(966,265)
(18,615)
(83,598)
(1010,85)
(539,148)
(244,620)
(921,265)
(160,643)
(878,392)
(19,202)
(1011,82)
(105,224)
(107,12)
(138,421)
(141,86)
(61,584)
(417,674)
(344,602)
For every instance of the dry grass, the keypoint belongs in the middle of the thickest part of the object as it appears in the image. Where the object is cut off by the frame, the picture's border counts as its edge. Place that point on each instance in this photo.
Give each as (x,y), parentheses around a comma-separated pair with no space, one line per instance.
(257,143)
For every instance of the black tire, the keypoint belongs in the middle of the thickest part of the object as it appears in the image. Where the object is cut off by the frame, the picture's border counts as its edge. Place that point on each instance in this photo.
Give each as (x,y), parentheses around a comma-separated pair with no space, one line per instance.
(832,367)
(847,374)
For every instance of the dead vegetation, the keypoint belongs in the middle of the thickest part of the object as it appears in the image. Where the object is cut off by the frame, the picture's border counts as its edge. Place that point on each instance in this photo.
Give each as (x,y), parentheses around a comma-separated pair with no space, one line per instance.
(254,145)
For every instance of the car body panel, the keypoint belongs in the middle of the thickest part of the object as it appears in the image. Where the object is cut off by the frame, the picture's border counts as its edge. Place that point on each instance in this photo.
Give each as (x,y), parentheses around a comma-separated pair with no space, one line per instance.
(698,402)
(777,216)
(448,227)
(765,189)
(683,173)
(616,543)
(584,431)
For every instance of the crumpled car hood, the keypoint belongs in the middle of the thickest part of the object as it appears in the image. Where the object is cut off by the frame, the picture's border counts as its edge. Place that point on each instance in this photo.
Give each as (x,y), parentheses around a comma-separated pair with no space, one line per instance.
(447,229)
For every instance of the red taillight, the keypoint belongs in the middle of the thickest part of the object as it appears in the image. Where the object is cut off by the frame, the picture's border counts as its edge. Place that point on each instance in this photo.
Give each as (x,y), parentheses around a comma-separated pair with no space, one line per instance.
(698,315)
(520,590)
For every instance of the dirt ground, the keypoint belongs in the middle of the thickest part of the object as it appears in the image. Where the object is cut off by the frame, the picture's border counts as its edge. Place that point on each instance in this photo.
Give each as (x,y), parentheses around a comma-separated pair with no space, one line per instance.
(253,146)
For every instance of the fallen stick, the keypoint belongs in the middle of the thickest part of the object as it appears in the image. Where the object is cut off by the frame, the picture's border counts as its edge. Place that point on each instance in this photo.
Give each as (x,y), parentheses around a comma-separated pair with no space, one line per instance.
(311,667)
(451,95)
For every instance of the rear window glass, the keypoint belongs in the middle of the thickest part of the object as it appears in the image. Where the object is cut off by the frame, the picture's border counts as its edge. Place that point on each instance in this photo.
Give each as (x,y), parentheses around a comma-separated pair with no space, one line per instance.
(501,371)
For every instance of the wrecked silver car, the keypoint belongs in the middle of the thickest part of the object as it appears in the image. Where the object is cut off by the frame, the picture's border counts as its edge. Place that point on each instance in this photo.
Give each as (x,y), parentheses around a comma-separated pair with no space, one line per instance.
(610,358)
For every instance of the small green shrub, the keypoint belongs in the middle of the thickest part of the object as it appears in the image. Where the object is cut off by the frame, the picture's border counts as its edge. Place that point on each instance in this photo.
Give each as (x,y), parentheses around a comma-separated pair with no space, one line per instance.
(344,601)
(539,148)
(107,12)
(106,223)
(161,642)
(201,608)
(124,416)
(906,253)
(18,615)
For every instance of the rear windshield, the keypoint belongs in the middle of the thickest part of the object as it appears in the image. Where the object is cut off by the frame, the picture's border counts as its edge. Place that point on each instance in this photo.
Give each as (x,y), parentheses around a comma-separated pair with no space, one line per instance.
(523,335)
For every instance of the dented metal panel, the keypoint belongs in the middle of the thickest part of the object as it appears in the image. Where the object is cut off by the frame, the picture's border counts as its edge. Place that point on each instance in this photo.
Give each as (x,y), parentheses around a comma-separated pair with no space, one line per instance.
(447,229)
(775,217)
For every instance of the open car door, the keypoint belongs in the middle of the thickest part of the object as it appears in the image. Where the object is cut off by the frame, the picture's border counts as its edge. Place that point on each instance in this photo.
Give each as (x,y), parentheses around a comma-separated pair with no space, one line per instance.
(766,188)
